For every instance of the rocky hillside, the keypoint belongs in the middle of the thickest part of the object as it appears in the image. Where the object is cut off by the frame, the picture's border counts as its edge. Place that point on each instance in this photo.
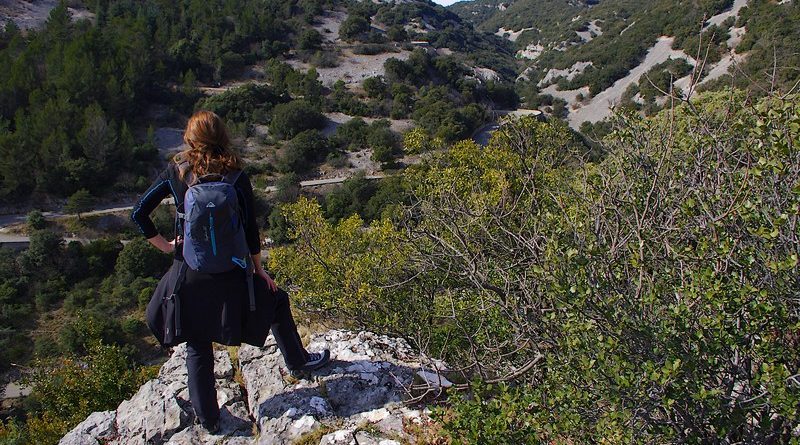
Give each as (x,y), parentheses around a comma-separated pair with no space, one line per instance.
(357,399)
(594,54)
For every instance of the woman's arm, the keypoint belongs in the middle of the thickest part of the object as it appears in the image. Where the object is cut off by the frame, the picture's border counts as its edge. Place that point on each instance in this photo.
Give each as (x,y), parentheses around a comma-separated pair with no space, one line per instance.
(249,207)
(251,229)
(151,199)
(259,270)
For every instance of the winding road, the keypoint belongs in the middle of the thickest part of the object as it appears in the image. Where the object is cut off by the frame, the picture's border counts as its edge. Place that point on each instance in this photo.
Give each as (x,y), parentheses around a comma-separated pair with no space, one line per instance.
(9,220)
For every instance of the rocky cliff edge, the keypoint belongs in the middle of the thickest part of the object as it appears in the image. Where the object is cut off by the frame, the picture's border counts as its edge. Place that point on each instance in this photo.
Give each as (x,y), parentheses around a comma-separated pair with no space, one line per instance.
(357,399)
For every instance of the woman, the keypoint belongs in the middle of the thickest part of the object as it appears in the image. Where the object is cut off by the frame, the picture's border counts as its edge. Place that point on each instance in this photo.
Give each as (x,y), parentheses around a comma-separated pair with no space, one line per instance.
(214,307)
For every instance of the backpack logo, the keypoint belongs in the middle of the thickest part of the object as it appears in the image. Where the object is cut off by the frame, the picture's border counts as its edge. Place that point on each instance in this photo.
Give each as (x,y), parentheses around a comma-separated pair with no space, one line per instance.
(210,205)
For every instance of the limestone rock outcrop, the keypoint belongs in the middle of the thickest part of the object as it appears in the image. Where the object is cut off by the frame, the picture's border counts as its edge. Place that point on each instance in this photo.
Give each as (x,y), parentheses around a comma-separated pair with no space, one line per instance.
(357,399)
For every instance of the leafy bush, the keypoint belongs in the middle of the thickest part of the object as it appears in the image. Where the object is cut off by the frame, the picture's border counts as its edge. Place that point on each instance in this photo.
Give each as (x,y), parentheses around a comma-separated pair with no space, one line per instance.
(353,26)
(246,104)
(368,199)
(397,33)
(303,151)
(295,117)
(68,390)
(648,297)
(309,40)
(346,102)
(36,220)
(375,87)
(371,49)
(351,135)
(138,259)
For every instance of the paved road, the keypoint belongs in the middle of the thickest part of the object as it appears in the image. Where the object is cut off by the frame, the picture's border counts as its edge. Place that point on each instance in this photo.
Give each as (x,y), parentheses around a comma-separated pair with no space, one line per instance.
(7,220)
(23,240)
(317,182)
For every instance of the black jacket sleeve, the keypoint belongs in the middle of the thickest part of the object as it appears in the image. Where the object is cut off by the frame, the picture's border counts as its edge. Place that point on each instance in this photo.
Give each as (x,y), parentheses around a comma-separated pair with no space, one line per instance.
(159,190)
(249,206)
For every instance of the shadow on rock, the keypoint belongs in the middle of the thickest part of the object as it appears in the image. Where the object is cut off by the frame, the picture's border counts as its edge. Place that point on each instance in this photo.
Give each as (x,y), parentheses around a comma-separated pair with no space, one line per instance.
(342,389)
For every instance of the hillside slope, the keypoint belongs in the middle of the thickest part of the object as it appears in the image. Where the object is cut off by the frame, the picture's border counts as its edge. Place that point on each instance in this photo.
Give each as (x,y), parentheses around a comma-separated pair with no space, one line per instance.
(596,54)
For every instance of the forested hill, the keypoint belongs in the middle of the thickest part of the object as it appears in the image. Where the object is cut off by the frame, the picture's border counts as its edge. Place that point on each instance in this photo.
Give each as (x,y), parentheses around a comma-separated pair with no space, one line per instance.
(78,93)
(577,50)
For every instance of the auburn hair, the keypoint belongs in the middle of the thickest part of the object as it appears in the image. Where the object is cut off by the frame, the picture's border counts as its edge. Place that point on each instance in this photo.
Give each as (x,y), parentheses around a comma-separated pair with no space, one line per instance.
(208,146)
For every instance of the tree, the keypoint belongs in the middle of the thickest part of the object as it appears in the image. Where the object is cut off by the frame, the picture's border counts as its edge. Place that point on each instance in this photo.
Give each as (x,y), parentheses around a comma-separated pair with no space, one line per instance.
(309,40)
(303,151)
(288,186)
(290,119)
(277,228)
(383,141)
(397,33)
(138,259)
(69,389)
(43,254)
(79,202)
(634,297)
(351,135)
(396,70)
(353,26)
(36,220)
(375,87)
(98,139)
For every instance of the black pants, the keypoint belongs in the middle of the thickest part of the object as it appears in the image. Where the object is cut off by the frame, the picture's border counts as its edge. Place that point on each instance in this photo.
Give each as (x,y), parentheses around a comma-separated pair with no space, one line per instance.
(200,360)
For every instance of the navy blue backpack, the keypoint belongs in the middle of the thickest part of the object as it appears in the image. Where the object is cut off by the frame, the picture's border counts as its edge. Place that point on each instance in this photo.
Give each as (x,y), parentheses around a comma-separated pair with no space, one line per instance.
(212,224)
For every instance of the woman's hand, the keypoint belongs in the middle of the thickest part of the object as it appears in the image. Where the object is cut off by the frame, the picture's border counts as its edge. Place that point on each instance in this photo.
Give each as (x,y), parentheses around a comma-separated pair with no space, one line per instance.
(270,283)
(163,245)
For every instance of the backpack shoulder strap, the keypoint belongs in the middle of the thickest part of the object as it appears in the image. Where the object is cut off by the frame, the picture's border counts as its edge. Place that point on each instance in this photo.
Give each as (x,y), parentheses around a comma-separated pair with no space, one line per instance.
(232,177)
(185,171)
(184,174)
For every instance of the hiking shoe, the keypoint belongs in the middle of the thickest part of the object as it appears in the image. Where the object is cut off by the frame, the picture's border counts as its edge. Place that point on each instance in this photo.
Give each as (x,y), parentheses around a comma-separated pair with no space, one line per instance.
(315,361)
(210,427)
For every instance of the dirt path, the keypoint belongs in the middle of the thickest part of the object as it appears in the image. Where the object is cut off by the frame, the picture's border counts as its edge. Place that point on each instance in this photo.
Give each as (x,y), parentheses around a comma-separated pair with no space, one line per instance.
(600,106)
(352,68)
(733,12)
(33,14)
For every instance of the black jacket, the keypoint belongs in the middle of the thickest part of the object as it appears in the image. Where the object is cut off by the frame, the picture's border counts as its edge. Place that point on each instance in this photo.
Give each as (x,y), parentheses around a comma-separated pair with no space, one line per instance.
(212,308)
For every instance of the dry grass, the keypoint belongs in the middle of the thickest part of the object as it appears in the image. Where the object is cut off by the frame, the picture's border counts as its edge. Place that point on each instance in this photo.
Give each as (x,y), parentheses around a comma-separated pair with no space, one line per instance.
(313,437)
(233,352)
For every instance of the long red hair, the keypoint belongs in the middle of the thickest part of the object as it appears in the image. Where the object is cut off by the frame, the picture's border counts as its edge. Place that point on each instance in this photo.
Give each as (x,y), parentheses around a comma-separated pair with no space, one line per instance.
(208,146)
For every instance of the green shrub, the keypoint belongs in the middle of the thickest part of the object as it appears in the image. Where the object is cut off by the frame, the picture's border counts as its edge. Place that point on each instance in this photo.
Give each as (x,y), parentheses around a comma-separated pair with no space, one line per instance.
(353,26)
(293,118)
(644,297)
(303,151)
(309,40)
(351,135)
(138,259)
(69,389)
(36,220)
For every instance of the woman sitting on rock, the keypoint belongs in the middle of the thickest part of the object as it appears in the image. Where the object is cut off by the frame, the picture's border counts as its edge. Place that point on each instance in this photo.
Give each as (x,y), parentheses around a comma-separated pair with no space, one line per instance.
(216,289)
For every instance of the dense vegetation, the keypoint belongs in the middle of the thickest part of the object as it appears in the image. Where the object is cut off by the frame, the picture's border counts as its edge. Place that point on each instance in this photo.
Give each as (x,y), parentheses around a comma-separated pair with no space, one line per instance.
(72,93)
(647,297)
(79,309)
(630,28)
(770,42)
(640,290)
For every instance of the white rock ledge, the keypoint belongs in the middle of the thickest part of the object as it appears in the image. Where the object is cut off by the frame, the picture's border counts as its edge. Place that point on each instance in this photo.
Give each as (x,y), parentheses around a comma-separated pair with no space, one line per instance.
(365,383)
